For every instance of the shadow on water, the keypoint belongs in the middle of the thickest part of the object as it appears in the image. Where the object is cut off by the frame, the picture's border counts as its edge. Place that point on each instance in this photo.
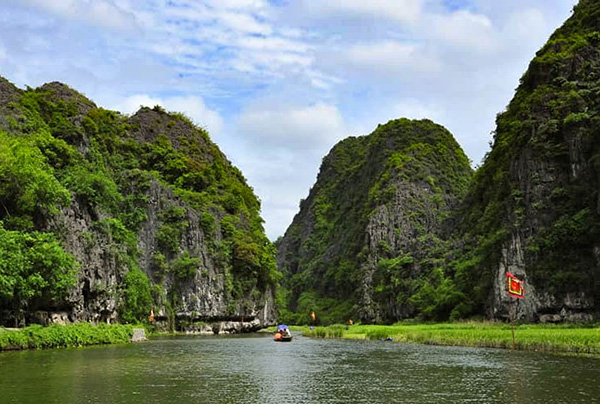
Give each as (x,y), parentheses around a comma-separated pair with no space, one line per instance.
(254,369)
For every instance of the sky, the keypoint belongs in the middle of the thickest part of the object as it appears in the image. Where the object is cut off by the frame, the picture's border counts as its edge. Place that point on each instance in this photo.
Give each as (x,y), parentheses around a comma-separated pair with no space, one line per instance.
(277,83)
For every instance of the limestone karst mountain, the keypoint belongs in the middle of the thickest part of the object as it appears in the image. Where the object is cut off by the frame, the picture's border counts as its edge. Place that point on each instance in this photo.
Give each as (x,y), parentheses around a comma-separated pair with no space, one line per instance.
(105,217)
(533,207)
(371,233)
(380,239)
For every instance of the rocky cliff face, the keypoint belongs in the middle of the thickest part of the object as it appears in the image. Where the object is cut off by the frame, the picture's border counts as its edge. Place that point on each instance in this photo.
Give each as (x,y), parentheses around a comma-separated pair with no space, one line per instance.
(365,239)
(541,213)
(150,195)
(377,239)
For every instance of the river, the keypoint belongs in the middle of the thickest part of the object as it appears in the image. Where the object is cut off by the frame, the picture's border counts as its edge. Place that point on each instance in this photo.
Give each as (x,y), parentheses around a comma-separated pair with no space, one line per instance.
(255,370)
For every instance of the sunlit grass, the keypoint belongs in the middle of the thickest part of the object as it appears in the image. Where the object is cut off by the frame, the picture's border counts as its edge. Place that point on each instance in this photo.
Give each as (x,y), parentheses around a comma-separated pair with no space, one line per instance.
(333,331)
(580,339)
(73,335)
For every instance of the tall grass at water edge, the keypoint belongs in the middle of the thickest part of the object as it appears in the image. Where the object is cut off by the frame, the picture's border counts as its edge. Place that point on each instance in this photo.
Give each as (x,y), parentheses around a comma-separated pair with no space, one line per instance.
(332,331)
(579,339)
(55,336)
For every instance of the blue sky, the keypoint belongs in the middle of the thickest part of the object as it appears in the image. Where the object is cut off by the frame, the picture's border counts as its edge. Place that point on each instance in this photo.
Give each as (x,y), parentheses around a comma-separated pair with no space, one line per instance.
(278,82)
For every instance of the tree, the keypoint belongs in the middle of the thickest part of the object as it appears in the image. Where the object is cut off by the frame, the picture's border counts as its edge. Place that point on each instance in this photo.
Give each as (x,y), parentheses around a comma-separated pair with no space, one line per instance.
(27,183)
(33,266)
(137,297)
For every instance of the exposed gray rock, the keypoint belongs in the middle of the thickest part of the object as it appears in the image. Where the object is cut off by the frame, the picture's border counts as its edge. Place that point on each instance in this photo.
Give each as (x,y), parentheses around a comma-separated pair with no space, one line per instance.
(377,197)
(61,318)
(95,297)
(139,334)
(101,238)
(9,94)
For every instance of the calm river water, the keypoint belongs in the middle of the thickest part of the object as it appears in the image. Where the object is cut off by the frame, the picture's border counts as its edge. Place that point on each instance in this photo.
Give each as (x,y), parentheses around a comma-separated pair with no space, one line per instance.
(254,369)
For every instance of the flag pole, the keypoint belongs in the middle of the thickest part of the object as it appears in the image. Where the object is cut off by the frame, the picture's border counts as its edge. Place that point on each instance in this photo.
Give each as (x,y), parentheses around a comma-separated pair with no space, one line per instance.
(512,322)
(515,289)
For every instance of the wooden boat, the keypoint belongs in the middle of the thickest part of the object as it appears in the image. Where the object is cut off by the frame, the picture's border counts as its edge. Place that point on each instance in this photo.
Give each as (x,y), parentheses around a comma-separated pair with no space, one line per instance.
(282,338)
(283,334)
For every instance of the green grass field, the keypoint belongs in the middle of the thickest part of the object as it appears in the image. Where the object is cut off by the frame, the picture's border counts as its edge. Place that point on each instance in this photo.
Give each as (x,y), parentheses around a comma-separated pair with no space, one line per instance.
(577,339)
(55,336)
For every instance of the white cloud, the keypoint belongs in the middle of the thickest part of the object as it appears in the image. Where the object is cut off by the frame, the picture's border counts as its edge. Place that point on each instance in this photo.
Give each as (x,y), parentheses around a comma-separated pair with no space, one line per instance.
(197,12)
(279,147)
(305,127)
(98,12)
(227,38)
(238,4)
(275,64)
(281,180)
(193,106)
(62,7)
(388,58)
(244,23)
(272,44)
(525,28)
(226,18)
(414,109)
(327,69)
(376,53)
(406,11)
(322,81)
(464,29)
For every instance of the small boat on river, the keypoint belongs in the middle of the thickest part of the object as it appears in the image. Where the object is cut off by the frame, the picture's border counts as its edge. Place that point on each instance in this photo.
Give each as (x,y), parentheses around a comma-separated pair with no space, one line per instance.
(283,334)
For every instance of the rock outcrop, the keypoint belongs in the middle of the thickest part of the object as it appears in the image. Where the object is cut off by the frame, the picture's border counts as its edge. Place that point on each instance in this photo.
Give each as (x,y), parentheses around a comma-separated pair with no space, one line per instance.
(367,233)
(380,240)
(535,201)
(150,195)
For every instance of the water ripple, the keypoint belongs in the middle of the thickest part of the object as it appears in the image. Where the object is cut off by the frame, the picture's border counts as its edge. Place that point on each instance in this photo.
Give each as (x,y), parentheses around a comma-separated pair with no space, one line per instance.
(255,370)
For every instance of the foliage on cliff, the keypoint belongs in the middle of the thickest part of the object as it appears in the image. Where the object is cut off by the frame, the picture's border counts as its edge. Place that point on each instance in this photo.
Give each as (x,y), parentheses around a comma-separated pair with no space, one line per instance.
(368,241)
(532,207)
(33,266)
(58,149)
(539,182)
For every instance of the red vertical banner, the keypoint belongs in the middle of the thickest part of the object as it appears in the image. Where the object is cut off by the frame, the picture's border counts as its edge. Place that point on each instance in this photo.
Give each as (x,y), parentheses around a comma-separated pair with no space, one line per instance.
(515,286)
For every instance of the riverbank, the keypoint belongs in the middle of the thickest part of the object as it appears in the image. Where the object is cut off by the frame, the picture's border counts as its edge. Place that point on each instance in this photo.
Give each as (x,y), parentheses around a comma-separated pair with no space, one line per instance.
(59,336)
(572,339)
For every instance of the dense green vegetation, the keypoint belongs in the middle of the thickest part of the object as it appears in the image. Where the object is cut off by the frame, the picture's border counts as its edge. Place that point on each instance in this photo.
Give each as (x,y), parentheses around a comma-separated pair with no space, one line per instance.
(137,296)
(364,242)
(538,182)
(402,181)
(59,336)
(396,226)
(59,151)
(553,338)
(33,266)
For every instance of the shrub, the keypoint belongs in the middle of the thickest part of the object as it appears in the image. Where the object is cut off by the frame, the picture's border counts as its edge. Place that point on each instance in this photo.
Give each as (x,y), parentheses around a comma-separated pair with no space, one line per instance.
(136,301)
(186,266)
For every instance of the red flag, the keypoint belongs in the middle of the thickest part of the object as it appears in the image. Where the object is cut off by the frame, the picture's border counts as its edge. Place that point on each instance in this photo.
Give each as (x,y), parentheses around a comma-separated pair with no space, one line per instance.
(515,286)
